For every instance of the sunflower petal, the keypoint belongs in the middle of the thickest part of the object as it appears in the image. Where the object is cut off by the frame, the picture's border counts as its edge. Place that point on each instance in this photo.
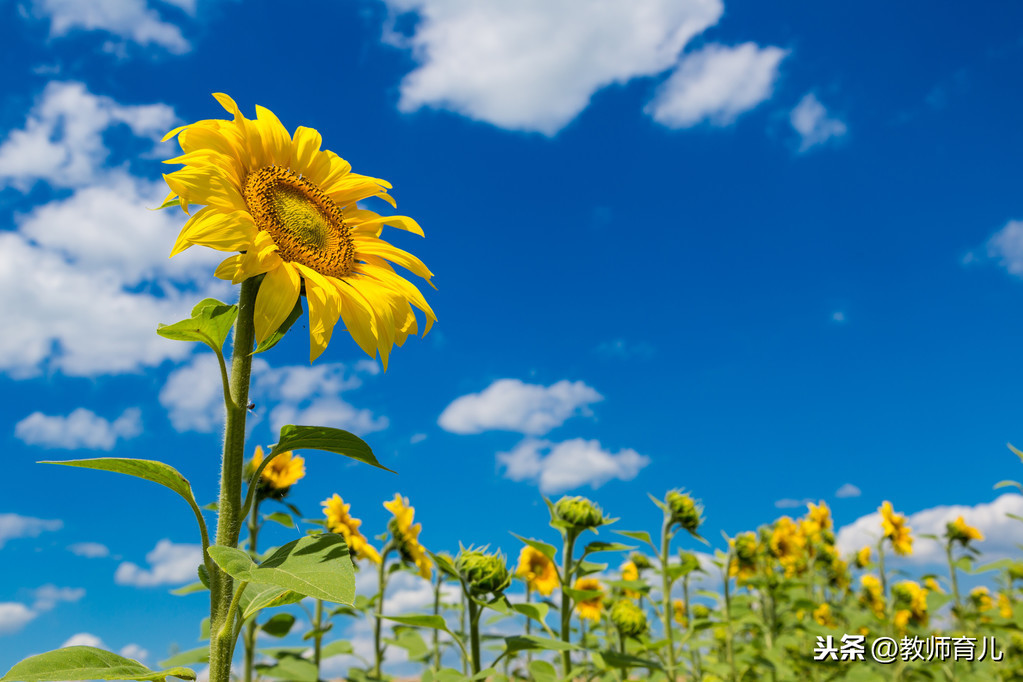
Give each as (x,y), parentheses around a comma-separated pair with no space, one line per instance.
(276,140)
(276,299)
(324,309)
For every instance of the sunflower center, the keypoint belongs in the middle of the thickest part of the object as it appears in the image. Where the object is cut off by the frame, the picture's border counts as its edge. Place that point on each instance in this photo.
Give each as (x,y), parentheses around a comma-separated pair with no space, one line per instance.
(307,226)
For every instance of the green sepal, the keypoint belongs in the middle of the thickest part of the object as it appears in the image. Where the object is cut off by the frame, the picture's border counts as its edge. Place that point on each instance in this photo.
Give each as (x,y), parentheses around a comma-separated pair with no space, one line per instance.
(272,340)
(317,566)
(210,323)
(86,663)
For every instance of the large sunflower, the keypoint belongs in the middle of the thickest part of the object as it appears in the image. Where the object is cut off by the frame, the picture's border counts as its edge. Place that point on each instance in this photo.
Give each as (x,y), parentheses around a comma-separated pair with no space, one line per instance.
(289,209)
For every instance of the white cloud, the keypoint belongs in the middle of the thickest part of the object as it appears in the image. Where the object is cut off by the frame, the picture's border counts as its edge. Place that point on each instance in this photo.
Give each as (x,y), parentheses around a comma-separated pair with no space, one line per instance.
(838,316)
(62,140)
(48,596)
(569,464)
(97,259)
(511,405)
(789,503)
(17,526)
(295,394)
(716,85)
(130,20)
(134,651)
(533,65)
(1006,246)
(848,490)
(14,616)
(620,348)
(84,639)
(810,119)
(1001,532)
(90,550)
(169,564)
(80,429)
(417,438)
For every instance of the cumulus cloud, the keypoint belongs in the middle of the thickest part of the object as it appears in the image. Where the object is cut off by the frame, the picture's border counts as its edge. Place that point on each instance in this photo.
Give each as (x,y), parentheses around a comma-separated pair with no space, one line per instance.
(129,20)
(534,65)
(84,639)
(96,259)
(14,616)
(811,120)
(511,405)
(17,526)
(716,84)
(1001,532)
(169,564)
(134,651)
(90,550)
(61,142)
(81,429)
(848,490)
(293,394)
(1006,246)
(562,466)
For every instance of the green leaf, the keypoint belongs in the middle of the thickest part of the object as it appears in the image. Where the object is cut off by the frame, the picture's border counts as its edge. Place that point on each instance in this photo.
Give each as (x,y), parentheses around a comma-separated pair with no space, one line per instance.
(199,654)
(618,660)
(170,203)
(1018,453)
(547,550)
(315,566)
(210,323)
(640,535)
(291,668)
(598,546)
(420,621)
(86,663)
(582,595)
(271,341)
(532,642)
(412,642)
(156,472)
(327,439)
(189,589)
(1007,484)
(535,610)
(542,671)
(338,647)
(444,563)
(278,625)
(258,597)
(281,518)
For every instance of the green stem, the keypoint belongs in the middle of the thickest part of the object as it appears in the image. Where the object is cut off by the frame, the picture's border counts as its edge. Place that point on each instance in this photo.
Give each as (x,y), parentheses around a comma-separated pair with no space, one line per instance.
(729,649)
(693,651)
(566,601)
(378,652)
(436,612)
(251,627)
(955,584)
(884,579)
(461,633)
(229,504)
(529,626)
(666,535)
(474,633)
(318,637)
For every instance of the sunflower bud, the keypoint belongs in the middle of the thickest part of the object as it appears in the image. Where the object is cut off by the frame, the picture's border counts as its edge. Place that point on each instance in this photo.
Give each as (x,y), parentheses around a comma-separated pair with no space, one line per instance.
(484,573)
(640,561)
(628,618)
(579,513)
(684,511)
(701,611)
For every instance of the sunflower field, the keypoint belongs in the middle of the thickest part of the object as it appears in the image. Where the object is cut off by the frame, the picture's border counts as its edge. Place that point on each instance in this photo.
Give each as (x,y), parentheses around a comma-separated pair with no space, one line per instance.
(583,599)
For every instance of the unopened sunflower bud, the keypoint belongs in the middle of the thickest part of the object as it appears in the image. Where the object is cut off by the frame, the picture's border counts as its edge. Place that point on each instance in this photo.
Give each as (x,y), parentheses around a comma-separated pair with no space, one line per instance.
(484,573)
(701,611)
(684,511)
(579,513)
(628,618)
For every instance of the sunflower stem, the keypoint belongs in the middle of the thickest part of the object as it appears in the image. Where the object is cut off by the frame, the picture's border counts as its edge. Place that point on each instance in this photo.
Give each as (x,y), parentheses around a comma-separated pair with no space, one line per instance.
(566,601)
(251,626)
(230,501)
(666,609)
(378,652)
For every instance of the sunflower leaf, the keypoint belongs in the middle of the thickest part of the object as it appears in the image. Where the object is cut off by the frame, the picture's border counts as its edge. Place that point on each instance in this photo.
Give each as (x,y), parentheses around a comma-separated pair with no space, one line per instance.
(210,323)
(316,566)
(86,663)
(257,597)
(272,340)
(327,439)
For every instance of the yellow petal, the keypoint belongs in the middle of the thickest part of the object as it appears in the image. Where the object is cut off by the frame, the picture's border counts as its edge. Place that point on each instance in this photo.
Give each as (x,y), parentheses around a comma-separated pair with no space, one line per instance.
(232,231)
(378,247)
(276,140)
(324,309)
(375,225)
(358,318)
(277,296)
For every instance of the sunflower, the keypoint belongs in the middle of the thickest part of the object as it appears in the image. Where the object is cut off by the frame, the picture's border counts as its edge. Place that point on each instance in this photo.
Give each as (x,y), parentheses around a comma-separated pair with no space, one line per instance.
(290,210)
(678,612)
(863,557)
(537,571)
(339,520)
(787,544)
(823,617)
(590,608)
(959,531)
(872,596)
(630,572)
(282,472)
(895,529)
(406,535)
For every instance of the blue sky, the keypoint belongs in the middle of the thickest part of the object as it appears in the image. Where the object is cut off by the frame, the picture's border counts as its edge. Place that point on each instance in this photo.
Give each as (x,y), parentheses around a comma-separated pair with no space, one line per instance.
(763,256)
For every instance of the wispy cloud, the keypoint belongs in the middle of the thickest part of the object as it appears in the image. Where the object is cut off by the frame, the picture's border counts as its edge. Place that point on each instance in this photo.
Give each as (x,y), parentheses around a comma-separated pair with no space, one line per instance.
(90,550)
(169,564)
(81,428)
(810,119)
(848,490)
(128,20)
(18,526)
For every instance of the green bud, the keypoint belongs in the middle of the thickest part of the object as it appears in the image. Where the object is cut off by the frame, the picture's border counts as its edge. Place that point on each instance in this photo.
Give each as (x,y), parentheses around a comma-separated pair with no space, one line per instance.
(579,513)
(701,611)
(640,561)
(684,511)
(484,573)
(628,618)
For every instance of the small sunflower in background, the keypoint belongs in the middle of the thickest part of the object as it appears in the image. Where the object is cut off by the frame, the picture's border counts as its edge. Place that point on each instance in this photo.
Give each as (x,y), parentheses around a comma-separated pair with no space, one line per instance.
(895,529)
(290,211)
(339,520)
(537,571)
(590,609)
(406,535)
(283,471)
